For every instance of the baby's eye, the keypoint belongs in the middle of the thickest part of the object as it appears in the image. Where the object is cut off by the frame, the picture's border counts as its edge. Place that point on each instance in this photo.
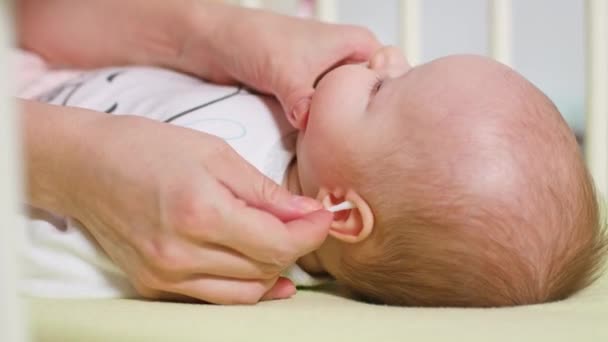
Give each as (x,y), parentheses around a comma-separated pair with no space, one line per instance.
(377,86)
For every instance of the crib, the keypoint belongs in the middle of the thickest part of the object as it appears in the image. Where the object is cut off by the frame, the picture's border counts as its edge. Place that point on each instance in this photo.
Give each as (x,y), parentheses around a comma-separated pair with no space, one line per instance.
(327,316)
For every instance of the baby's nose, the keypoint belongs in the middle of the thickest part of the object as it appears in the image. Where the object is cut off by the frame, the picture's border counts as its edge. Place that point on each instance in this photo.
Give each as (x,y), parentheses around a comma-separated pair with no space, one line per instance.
(389,61)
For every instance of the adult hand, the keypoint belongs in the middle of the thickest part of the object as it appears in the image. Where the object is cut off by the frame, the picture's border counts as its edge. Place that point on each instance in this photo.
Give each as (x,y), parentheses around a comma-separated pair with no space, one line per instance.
(272,53)
(277,54)
(179,211)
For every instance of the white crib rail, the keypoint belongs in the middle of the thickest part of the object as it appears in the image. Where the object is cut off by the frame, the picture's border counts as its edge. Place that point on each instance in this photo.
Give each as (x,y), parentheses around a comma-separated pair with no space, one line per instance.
(251,3)
(11,327)
(409,27)
(326,10)
(500,30)
(596,135)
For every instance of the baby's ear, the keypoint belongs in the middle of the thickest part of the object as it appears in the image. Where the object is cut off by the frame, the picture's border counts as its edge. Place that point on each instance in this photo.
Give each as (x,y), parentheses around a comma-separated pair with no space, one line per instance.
(351,225)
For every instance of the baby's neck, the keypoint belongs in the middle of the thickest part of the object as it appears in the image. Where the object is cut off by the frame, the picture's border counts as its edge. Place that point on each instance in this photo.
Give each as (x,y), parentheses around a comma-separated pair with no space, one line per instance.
(292,181)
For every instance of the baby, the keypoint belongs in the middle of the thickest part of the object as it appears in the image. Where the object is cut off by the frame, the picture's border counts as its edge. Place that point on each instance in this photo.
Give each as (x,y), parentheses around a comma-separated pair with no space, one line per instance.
(469,188)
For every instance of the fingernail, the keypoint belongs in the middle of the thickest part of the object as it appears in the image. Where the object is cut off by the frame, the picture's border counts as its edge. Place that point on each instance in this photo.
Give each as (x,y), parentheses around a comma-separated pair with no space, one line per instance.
(377,61)
(304,204)
(300,109)
(285,294)
(285,288)
(292,291)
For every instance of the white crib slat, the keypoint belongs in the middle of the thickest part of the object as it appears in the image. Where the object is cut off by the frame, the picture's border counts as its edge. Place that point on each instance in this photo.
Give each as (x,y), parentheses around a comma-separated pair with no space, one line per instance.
(596,135)
(11,320)
(500,30)
(251,3)
(326,10)
(409,27)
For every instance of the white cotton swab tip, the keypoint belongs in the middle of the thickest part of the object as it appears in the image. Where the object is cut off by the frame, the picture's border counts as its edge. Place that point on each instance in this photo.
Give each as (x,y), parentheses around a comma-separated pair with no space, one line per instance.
(341,206)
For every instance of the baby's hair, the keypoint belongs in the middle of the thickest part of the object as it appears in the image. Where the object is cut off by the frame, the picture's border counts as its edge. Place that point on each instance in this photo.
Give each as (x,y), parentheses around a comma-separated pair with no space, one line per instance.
(498,214)
(434,259)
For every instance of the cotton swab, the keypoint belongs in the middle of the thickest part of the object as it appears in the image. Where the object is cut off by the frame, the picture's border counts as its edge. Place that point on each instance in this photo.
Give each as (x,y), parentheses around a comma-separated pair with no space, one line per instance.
(341,206)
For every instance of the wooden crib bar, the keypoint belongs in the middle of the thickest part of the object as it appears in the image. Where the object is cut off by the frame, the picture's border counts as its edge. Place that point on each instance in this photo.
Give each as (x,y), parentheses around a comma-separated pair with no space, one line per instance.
(500,30)
(596,135)
(251,3)
(12,327)
(409,29)
(326,10)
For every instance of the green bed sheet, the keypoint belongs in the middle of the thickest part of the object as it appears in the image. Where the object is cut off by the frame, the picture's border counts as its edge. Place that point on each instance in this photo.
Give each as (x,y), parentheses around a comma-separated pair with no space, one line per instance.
(317,316)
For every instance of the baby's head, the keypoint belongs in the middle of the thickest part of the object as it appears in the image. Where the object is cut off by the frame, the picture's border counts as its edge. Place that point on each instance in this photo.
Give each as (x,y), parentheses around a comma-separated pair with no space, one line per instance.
(470,188)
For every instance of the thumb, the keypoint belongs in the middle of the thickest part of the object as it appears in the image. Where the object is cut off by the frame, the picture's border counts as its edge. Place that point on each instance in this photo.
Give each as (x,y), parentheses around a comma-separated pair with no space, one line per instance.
(257,190)
(296,105)
(269,196)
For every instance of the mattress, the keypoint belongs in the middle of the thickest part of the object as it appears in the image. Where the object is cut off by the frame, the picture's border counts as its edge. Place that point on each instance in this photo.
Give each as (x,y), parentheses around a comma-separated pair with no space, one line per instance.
(322,315)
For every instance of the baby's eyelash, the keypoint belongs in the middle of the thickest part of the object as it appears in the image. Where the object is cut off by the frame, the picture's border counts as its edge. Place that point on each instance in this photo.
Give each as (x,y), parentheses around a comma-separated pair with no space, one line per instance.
(376,85)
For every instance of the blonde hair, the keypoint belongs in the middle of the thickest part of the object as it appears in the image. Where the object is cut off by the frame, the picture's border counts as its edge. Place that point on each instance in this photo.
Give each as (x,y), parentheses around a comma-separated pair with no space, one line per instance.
(432,257)
(441,241)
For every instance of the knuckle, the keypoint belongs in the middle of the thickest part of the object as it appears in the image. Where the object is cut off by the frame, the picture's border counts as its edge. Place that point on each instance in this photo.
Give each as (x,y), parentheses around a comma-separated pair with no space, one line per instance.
(162,254)
(251,295)
(269,191)
(208,227)
(361,38)
(268,271)
(183,210)
(218,148)
(189,214)
(146,292)
(360,31)
(145,281)
(367,34)
(281,256)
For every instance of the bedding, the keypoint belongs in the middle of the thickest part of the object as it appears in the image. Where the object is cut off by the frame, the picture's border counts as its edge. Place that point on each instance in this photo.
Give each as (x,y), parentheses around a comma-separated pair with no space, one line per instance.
(323,315)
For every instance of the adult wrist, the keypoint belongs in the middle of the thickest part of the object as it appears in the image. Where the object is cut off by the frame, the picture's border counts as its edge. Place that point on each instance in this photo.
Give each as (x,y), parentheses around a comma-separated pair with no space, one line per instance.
(202,37)
(217,32)
(54,139)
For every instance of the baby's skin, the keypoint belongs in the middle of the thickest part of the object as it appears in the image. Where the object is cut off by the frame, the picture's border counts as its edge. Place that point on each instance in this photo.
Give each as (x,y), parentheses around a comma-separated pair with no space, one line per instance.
(469,187)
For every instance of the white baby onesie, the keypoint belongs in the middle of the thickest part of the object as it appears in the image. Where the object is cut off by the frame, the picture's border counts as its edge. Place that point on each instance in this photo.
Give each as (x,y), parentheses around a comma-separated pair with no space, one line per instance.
(60,259)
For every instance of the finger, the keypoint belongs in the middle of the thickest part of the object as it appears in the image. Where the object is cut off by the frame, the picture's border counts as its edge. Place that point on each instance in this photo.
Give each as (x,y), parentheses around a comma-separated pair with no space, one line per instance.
(223,290)
(258,235)
(147,292)
(282,289)
(246,183)
(389,61)
(296,100)
(230,222)
(166,296)
(173,260)
(309,232)
(297,114)
(264,238)
(361,45)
